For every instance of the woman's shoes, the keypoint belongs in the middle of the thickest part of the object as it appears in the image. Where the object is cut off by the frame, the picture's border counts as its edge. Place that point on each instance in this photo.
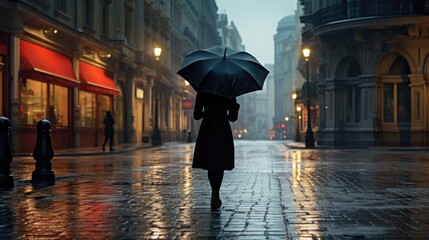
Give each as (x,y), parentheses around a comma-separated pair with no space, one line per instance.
(215,202)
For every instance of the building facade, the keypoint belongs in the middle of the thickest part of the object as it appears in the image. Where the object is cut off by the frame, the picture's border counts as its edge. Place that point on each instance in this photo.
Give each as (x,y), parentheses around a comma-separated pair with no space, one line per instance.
(286,76)
(369,60)
(71,61)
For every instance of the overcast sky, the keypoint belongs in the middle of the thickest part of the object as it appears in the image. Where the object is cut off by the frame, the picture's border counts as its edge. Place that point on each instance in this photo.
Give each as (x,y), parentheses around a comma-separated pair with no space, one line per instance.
(256,21)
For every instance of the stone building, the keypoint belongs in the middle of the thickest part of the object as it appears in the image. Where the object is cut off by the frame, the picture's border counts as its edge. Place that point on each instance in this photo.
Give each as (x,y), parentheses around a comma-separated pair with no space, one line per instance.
(71,61)
(370,62)
(286,76)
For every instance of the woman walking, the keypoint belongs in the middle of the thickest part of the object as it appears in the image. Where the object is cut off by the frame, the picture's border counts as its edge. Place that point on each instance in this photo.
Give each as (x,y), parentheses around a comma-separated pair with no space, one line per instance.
(214,148)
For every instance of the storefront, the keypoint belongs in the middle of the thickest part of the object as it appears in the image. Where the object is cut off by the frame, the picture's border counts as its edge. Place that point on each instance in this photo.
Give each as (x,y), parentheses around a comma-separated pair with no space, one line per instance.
(49,89)
(45,92)
(95,98)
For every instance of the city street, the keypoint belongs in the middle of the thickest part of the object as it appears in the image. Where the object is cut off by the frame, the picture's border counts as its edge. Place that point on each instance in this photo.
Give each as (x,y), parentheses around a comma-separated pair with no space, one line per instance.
(275,192)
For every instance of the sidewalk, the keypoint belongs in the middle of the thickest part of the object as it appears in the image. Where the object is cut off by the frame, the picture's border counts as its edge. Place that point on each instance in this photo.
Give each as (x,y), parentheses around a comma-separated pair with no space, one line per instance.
(92,151)
(301,145)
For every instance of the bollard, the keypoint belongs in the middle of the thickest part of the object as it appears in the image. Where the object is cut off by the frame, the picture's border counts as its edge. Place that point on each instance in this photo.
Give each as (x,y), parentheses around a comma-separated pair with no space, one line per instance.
(6,179)
(43,154)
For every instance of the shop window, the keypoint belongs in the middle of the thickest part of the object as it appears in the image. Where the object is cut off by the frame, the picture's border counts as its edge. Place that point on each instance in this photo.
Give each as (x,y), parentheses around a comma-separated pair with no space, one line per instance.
(388,103)
(87,109)
(104,104)
(58,106)
(33,102)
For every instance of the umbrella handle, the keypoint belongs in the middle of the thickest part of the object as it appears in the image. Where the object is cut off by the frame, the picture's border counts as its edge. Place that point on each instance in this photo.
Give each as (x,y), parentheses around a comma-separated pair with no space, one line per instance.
(224,54)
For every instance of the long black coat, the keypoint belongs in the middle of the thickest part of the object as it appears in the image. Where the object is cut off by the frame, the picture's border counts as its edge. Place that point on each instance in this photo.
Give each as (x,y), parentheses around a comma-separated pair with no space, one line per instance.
(214,148)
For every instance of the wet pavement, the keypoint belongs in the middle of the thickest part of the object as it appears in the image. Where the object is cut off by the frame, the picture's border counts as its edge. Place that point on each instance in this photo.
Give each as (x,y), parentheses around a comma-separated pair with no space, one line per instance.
(275,192)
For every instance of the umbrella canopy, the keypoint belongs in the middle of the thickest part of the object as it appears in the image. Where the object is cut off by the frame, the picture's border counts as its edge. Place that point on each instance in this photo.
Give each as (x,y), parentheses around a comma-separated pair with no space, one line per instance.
(223,71)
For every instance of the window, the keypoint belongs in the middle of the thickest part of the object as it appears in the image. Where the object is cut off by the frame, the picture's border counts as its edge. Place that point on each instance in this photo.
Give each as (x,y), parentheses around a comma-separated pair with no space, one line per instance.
(104,104)
(58,106)
(397,94)
(36,104)
(87,109)
(417,106)
(105,16)
(88,5)
(61,5)
(129,25)
(404,101)
(388,103)
(33,102)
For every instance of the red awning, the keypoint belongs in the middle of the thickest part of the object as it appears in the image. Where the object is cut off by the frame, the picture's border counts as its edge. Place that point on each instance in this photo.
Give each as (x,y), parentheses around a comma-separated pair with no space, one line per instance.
(42,64)
(96,79)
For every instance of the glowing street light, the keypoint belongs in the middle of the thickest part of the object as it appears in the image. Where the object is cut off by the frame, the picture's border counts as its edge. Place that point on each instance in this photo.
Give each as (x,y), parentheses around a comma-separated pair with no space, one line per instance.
(156,136)
(309,136)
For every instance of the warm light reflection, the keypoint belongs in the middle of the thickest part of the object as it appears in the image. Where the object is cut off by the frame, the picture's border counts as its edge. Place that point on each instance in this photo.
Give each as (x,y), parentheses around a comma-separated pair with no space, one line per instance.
(305,203)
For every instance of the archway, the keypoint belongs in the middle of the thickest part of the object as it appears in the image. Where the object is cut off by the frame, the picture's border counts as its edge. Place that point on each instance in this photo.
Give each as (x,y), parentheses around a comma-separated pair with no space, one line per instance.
(396,101)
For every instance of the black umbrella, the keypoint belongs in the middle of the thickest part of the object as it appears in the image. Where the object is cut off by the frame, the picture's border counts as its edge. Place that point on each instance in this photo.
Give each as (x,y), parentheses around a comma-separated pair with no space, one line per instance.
(223,71)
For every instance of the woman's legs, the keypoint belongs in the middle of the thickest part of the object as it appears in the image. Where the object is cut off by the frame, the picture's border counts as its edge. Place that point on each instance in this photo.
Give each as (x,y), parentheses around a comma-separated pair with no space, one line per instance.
(105,141)
(215,179)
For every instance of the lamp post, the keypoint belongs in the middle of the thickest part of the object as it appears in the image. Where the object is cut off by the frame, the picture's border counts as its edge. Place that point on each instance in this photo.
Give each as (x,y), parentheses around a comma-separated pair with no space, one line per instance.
(296,120)
(309,136)
(156,136)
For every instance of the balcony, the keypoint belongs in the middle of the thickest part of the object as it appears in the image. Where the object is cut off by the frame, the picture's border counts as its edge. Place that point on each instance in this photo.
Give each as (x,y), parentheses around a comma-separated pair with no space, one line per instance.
(366,9)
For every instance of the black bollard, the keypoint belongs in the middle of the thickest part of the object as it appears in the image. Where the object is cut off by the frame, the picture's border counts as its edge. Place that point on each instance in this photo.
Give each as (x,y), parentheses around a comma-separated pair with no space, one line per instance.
(6,179)
(43,154)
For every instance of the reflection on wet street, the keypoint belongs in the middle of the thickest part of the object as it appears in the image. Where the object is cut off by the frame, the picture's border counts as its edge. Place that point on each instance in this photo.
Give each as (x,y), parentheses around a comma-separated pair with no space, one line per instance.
(274,193)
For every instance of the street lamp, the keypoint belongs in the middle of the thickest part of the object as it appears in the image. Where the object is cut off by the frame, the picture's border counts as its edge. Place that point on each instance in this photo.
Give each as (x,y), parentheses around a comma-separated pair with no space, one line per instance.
(156,136)
(296,120)
(309,136)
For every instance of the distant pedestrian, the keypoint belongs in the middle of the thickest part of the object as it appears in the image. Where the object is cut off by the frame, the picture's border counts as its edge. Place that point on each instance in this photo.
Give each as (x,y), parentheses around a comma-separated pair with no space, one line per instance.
(108,130)
(214,148)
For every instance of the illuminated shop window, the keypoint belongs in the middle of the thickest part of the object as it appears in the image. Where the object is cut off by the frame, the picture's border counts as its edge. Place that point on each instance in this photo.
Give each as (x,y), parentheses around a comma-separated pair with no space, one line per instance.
(58,106)
(87,109)
(104,104)
(33,102)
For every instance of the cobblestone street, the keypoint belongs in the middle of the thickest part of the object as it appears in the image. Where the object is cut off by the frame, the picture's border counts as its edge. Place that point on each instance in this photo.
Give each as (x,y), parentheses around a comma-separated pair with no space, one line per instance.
(273,193)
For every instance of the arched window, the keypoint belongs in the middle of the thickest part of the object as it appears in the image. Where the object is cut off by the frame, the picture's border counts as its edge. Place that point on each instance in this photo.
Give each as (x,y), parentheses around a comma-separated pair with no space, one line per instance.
(397,93)
(353,92)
